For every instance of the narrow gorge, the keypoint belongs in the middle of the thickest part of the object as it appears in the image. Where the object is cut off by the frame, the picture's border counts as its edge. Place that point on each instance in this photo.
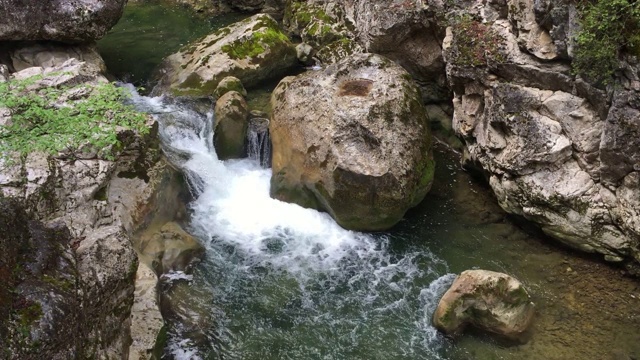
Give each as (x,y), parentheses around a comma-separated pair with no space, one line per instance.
(320,179)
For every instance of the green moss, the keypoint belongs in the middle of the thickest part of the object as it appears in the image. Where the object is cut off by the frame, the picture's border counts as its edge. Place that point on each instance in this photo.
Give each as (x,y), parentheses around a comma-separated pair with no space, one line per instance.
(428,173)
(161,343)
(518,296)
(61,284)
(29,314)
(191,82)
(205,59)
(256,43)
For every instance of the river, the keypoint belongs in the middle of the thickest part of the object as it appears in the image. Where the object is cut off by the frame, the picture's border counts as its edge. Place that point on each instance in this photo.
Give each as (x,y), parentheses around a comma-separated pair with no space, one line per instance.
(282,282)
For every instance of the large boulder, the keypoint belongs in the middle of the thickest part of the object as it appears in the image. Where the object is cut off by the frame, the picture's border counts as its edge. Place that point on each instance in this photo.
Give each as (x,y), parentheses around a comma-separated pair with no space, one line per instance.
(253,50)
(59,20)
(352,140)
(487,300)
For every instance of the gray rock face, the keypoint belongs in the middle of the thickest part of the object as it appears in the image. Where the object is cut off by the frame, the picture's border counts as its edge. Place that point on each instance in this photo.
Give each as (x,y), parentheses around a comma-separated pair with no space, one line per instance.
(352,140)
(403,31)
(100,208)
(491,301)
(253,50)
(51,54)
(554,150)
(42,296)
(59,20)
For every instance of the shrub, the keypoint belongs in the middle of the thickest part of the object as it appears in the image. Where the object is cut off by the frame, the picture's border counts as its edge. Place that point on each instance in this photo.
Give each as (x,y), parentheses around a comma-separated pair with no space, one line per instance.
(475,44)
(607,27)
(55,119)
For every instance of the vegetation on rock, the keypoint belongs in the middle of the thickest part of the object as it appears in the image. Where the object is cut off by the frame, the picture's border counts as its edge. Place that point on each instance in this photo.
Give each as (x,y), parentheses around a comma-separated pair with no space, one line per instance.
(257,43)
(475,43)
(607,27)
(56,119)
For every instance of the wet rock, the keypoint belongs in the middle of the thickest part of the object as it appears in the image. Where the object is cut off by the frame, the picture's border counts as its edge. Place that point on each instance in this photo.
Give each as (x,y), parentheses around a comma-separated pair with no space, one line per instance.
(304,53)
(490,301)
(169,248)
(146,319)
(352,140)
(230,129)
(58,20)
(227,84)
(253,50)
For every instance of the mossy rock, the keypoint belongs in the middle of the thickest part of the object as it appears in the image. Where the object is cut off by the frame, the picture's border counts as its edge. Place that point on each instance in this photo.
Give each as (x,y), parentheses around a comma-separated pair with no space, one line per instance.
(338,50)
(228,84)
(230,132)
(254,51)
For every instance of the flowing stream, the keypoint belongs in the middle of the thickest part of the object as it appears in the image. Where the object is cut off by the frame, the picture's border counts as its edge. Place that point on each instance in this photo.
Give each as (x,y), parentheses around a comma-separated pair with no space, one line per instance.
(282,282)
(289,283)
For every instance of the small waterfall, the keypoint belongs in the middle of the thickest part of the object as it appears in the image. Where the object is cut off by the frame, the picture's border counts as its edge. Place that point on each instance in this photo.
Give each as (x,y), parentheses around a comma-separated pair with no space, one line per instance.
(287,282)
(258,141)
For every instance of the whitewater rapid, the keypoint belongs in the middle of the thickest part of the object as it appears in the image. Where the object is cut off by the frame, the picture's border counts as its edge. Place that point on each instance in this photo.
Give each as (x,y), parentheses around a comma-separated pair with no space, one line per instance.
(343,283)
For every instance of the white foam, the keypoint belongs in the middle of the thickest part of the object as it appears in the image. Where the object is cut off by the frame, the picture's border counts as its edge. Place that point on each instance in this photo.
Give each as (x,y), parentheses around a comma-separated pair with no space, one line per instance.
(233,210)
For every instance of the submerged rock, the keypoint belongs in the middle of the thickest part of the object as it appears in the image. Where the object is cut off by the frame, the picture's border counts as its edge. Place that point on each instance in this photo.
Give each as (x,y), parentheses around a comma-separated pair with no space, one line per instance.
(352,140)
(230,130)
(487,300)
(59,20)
(253,50)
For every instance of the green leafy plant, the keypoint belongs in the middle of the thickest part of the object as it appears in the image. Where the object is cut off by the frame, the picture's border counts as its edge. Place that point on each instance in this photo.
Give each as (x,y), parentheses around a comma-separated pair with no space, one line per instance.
(65,118)
(607,27)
